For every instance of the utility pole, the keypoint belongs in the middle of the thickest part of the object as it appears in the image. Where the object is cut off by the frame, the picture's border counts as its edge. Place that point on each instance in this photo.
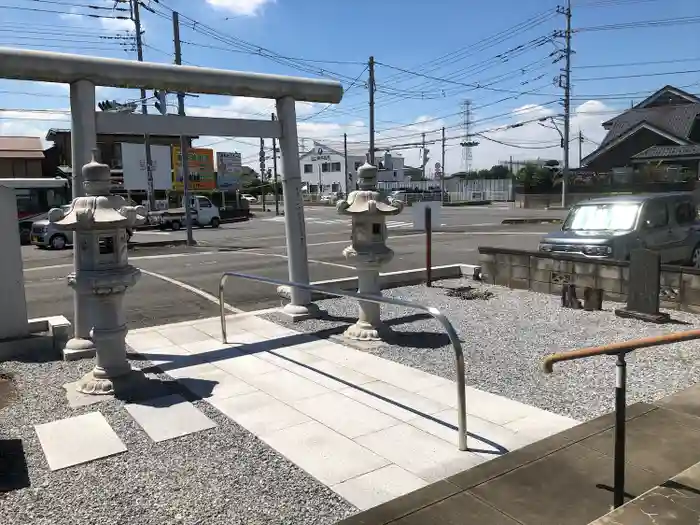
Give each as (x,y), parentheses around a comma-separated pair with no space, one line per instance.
(262,172)
(566,11)
(371,110)
(423,154)
(345,156)
(274,172)
(136,18)
(442,169)
(184,146)
(580,147)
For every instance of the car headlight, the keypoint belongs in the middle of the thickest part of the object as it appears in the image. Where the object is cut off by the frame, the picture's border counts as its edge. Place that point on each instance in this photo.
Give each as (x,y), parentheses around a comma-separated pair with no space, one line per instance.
(544,247)
(599,250)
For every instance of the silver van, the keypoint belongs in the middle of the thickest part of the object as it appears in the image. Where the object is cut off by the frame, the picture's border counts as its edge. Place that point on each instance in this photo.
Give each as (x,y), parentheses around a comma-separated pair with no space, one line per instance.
(611,227)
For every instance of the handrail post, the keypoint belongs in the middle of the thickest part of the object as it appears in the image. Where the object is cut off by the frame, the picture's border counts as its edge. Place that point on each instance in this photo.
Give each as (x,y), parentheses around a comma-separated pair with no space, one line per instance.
(620,424)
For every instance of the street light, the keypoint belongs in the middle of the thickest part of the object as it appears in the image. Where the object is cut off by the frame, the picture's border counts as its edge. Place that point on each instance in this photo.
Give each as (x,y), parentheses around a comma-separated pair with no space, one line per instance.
(563,178)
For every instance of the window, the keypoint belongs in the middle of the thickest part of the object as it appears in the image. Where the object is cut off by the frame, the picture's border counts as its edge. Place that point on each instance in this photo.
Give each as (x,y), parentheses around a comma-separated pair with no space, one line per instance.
(308,168)
(602,217)
(685,213)
(655,214)
(203,203)
(335,166)
(357,165)
(325,167)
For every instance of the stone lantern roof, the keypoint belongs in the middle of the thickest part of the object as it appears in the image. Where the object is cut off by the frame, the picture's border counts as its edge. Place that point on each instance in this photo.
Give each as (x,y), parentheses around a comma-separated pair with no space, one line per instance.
(367,199)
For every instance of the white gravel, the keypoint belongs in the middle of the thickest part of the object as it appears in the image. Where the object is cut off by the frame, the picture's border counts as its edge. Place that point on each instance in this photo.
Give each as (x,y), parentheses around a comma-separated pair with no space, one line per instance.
(506,337)
(223,476)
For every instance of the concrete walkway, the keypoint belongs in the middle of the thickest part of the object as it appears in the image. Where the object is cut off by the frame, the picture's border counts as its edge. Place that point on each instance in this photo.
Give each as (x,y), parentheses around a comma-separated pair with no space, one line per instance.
(369,428)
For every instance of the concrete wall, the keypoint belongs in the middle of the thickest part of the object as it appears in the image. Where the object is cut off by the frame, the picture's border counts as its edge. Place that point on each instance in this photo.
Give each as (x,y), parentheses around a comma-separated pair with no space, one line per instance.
(13,308)
(529,270)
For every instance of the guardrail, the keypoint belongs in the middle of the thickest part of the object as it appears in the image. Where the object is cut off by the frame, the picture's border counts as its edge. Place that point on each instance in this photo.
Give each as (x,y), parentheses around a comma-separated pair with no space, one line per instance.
(620,350)
(437,315)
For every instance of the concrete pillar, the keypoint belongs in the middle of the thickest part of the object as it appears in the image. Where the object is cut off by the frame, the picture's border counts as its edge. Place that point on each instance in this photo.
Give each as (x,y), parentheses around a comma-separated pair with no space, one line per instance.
(300,306)
(83,142)
(13,307)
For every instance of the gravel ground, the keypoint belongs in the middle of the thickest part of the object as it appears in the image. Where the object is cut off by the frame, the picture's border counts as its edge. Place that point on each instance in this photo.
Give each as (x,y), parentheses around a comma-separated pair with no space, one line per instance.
(222,476)
(506,337)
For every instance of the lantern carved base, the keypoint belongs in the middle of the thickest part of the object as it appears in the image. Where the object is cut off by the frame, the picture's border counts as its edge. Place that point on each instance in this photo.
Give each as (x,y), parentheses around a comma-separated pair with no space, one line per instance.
(128,384)
(364,331)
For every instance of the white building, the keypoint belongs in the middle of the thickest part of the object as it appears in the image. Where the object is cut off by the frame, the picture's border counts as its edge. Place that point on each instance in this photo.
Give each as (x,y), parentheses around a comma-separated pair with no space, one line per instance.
(323,169)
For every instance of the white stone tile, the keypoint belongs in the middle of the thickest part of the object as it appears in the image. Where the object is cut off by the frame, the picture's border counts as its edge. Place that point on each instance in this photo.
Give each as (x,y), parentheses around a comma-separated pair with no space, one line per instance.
(211,327)
(495,408)
(144,341)
(428,457)
(393,401)
(542,425)
(245,366)
(287,356)
(323,453)
(444,393)
(379,486)
(187,368)
(76,440)
(181,335)
(168,417)
(339,354)
(239,337)
(209,346)
(261,327)
(396,374)
(209,381)
(483,437)
(342,414)
(259,412)
(286,386)
(331,375)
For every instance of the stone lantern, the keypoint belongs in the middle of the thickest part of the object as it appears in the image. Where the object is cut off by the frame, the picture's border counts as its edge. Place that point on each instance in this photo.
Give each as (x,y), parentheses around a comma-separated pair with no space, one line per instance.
(368,251)
(102,271)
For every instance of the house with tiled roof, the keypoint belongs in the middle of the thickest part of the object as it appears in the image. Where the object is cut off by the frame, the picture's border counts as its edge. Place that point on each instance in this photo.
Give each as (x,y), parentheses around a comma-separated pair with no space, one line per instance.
(663,129)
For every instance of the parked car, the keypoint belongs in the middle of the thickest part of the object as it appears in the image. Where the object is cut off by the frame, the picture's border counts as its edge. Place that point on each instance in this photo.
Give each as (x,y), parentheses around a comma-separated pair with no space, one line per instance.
(612,227)
(45,234)
(249,198)
(330,198)
(202,213)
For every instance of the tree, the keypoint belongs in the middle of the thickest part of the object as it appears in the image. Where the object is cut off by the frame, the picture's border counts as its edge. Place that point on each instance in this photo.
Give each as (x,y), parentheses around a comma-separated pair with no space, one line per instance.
(500,172)
(533,176)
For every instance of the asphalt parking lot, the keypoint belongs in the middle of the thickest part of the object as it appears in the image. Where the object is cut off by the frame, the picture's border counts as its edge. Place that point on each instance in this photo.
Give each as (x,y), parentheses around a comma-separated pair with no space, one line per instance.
(180,283)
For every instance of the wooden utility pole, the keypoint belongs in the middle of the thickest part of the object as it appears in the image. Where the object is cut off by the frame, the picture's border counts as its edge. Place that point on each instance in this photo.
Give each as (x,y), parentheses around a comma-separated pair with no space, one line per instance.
(442,168)
(371,110)
(566,78)
(274,172)
(580,147)
(345,156)
(423,154)
(184,143)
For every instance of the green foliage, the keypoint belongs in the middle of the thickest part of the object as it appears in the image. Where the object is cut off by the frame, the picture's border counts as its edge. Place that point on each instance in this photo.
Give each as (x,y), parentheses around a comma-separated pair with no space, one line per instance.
(533,176)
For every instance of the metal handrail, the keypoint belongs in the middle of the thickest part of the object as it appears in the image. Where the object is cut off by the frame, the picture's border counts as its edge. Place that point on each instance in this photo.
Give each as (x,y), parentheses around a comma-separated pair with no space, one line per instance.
(621,350)
(439,316)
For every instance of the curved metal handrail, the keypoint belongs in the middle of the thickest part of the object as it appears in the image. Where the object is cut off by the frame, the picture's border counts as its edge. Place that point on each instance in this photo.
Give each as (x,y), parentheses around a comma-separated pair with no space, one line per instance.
(434,312)
(616,348)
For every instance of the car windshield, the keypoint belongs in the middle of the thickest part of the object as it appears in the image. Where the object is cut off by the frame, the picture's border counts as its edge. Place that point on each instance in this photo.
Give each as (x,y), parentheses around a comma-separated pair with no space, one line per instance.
(602,217)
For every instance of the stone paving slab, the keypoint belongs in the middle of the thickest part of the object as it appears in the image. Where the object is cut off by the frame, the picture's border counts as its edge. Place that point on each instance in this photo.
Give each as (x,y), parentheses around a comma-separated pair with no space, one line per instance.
(168,417)
(80,439)
(369,428)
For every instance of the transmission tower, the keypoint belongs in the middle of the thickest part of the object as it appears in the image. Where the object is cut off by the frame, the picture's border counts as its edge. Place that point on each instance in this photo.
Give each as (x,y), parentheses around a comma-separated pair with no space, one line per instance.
(466,128)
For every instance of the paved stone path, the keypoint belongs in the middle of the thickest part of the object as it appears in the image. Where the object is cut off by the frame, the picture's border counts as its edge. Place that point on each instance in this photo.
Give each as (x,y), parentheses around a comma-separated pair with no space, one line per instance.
(369,428)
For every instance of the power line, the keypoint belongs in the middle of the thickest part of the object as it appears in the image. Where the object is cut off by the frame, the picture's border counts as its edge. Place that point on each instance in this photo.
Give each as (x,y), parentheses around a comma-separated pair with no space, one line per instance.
(87,6)
(685,20)
(639,75)
(631,64)
(87,15)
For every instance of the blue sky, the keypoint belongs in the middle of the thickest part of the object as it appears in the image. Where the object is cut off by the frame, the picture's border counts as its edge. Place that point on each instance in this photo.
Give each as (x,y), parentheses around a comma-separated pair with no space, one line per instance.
(412,36)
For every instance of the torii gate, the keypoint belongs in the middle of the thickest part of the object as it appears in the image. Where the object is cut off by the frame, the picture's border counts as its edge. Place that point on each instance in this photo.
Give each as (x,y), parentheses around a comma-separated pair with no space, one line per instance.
(85,73)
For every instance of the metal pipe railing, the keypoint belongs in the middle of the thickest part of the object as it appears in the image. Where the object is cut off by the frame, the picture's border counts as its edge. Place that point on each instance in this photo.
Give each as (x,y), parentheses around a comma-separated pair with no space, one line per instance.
(439,316)
(621,350)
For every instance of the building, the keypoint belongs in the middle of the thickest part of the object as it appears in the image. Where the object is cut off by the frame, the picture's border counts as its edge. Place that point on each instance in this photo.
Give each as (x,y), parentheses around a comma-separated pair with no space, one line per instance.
(659,137)
(20,157)
(323,168)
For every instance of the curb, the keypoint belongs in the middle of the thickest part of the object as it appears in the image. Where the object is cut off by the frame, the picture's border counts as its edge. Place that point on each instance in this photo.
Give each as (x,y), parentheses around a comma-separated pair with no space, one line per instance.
(155,244)
(532,221)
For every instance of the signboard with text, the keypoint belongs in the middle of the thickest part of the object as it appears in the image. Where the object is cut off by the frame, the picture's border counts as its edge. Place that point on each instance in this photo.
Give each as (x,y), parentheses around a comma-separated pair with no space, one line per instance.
(229,169)
(200,164)
(134,166)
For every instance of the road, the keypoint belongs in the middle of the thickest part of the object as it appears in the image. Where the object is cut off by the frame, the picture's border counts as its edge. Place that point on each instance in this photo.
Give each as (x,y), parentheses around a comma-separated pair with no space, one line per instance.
(179,283)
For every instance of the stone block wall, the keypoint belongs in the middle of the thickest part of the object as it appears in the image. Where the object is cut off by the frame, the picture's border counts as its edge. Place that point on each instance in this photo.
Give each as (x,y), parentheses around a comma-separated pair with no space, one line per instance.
(540,272)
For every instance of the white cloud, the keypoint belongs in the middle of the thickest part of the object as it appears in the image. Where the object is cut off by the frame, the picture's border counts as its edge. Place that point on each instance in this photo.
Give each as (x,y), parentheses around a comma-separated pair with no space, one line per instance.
(240,7)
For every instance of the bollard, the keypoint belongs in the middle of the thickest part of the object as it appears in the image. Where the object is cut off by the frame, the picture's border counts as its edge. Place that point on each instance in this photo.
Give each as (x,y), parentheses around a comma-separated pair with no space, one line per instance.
(428,247)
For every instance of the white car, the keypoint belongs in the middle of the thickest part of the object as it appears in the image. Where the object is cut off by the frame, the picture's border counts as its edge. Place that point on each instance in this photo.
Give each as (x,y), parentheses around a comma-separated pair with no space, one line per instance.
(249,198)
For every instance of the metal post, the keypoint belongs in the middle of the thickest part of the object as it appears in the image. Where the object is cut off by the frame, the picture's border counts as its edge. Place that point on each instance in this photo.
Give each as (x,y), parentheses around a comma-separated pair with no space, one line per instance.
(442,169)
(371,111)
(428,246)
(184,142)
(274,171)
(300,305)
(144,107)
(345,156)
(567,104)
(620,422)
(83,143)
(262,172)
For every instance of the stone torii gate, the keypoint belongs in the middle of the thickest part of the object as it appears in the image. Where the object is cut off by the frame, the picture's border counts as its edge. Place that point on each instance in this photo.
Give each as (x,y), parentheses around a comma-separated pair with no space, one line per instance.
(85,73)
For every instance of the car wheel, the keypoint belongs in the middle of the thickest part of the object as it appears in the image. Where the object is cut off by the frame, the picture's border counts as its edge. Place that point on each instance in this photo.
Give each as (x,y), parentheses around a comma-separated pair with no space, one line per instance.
(175,225)
(215,222)
(58,242)
(695,257)
(129,235)
(25,236)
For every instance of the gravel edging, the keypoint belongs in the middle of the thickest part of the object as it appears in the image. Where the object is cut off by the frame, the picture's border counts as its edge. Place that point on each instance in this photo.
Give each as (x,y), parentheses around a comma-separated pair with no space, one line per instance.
(506,337)
(222,476)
